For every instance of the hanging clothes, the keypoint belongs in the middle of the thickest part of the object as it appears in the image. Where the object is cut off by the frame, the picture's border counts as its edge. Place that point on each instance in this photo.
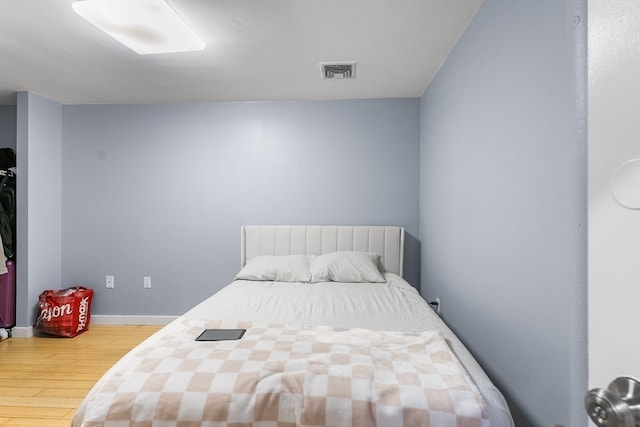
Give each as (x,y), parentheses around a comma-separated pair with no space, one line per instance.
(3,261)
(7,212)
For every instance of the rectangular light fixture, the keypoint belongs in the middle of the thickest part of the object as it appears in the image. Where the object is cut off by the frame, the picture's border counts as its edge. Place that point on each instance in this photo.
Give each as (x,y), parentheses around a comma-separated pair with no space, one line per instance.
(144,26)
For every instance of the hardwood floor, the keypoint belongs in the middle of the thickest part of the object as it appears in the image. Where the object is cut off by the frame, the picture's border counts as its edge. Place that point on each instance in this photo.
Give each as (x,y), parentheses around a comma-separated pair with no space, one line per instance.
(43,380)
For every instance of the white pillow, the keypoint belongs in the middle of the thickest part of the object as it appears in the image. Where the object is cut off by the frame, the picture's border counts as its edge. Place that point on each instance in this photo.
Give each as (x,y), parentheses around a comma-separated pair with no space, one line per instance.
(347,266)
(278,268)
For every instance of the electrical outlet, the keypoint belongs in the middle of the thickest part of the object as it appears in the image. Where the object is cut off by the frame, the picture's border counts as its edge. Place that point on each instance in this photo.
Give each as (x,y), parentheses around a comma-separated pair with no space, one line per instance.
(109,282)
(147,282)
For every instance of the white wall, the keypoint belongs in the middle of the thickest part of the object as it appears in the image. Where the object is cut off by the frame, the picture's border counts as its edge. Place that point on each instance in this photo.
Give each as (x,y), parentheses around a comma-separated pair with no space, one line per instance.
(614,232)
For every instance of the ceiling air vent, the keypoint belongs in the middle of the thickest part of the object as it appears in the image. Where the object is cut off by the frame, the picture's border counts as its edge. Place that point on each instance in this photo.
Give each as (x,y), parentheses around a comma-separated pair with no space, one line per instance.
(338,70)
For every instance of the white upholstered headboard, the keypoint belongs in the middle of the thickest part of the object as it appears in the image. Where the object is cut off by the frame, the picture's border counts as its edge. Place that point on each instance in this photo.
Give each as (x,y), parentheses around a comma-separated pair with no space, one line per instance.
(388,241)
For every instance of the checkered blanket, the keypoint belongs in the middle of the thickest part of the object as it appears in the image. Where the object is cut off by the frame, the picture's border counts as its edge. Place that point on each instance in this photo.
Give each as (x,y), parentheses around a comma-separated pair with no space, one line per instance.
(280,376)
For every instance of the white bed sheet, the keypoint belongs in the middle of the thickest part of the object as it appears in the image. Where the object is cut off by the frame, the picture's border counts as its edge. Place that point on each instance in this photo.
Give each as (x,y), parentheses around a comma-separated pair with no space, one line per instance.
(391,306)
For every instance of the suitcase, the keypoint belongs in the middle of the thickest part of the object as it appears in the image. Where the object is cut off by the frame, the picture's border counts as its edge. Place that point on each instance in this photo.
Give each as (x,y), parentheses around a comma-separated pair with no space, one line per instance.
(8,297)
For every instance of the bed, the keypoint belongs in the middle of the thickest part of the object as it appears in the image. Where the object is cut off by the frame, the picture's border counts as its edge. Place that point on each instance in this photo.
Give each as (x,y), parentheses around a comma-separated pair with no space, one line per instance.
(334,337)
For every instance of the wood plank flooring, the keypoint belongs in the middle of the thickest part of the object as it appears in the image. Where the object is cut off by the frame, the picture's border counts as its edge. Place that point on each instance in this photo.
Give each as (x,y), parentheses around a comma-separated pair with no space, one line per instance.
(43,380)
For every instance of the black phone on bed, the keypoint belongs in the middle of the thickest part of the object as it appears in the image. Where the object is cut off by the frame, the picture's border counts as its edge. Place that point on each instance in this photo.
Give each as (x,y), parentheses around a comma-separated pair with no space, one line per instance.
(221,334)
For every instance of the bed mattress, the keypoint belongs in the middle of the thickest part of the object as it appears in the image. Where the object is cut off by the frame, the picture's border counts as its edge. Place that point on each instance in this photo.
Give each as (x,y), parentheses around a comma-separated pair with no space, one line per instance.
(394,306)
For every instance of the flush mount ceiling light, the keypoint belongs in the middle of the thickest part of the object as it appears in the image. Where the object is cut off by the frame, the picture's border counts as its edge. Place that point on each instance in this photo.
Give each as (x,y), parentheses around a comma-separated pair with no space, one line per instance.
(145,26)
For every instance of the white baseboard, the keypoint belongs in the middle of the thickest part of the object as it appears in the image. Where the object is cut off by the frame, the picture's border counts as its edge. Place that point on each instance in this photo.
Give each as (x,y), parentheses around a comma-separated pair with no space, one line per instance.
(100,319)
(97,319)
(22,331)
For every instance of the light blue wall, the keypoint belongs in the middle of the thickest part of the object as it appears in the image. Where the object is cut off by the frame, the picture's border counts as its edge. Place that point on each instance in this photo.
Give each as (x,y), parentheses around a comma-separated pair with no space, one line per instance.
(39,202)
(162,190)
(503,202)
(8,126)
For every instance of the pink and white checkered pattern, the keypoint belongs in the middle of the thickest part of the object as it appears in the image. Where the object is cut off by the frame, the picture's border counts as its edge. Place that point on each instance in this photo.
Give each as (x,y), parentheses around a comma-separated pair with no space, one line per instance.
(280,376)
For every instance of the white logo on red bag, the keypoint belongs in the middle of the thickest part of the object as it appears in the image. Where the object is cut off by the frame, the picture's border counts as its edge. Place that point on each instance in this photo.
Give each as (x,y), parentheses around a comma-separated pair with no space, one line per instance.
(49,313)
(82,318)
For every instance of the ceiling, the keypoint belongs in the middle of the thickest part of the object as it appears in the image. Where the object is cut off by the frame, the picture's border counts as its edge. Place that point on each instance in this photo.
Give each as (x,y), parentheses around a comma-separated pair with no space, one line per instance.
(256,50)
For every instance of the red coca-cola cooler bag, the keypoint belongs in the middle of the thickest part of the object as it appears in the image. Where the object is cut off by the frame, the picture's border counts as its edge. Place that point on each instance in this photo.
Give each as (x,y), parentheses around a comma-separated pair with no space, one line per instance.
(65,312)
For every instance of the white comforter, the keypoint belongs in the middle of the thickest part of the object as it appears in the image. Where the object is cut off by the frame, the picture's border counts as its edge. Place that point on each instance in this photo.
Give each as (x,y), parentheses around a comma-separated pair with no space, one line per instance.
(391,306)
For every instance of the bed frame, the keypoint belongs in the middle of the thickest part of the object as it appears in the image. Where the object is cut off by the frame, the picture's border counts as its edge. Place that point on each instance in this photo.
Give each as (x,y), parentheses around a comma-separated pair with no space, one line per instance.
(387,241)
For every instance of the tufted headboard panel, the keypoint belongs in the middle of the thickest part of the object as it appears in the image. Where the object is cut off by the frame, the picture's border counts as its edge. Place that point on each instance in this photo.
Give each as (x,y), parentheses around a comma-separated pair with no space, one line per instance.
(388,241)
